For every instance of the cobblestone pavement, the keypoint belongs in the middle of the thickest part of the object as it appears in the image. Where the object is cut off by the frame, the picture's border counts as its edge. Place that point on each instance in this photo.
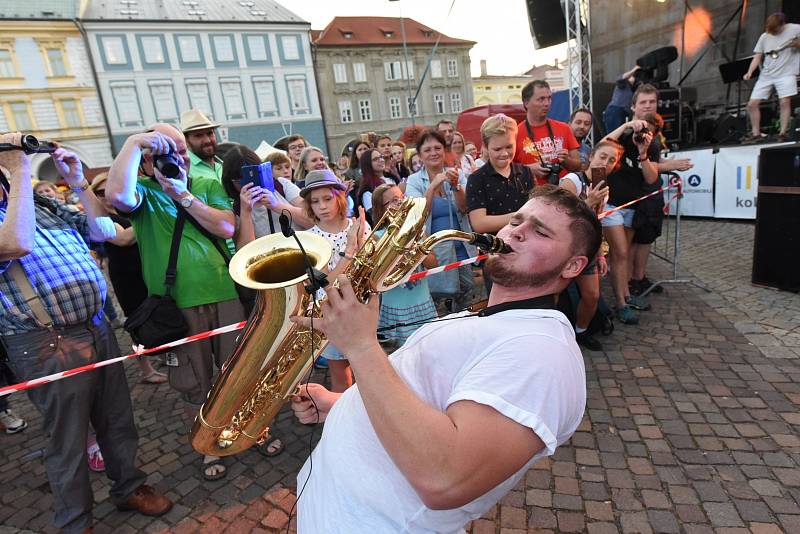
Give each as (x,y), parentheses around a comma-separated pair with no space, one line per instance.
(691,427)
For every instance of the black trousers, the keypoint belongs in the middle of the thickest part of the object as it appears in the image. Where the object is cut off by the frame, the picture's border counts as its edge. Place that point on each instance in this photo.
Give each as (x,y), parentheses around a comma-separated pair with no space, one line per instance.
(68,405)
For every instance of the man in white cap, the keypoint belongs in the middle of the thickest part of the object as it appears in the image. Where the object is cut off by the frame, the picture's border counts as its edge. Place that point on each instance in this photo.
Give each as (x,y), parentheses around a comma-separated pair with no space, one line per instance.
(202,140)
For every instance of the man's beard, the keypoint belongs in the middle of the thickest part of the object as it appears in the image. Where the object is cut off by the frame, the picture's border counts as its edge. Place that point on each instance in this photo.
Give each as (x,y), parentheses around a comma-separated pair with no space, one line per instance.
(206,151)
(504,275)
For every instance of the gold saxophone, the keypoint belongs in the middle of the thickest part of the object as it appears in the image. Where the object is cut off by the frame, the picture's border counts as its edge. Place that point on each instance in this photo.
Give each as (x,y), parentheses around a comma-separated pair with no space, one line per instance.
(273,355)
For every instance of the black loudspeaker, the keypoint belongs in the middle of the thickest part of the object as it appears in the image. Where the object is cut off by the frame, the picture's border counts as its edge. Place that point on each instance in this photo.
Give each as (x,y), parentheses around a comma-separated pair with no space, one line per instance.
(729,128)
(735,70)
(791,8)
(548,25)
(776,248)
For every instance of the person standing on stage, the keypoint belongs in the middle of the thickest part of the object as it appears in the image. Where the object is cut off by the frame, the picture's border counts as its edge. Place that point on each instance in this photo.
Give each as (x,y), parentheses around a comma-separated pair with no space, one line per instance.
(406,448)
(546,146)
(778,48)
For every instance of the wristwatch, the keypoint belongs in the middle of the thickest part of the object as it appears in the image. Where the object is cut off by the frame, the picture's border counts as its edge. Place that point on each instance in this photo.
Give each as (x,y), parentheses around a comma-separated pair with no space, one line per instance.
(187,201)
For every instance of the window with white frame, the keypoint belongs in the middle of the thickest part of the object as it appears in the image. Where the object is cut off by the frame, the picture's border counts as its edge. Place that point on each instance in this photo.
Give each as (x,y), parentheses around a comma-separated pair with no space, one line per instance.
(114,50)
(55,58)
(395,112)
(153,51)
(264,89)
(345,111)
(365,109)
(199,98)
(438,104)
(163,97)
(7,67)
(290,49)
(298,96)
(340,72)
(452,68)
(257,45)
(232,97)
(455,102)
(436,68)
(394,70)
(189,49)
(126,101)
(409,72)
(70,112)
(359,72)
(21,113)
(223,45)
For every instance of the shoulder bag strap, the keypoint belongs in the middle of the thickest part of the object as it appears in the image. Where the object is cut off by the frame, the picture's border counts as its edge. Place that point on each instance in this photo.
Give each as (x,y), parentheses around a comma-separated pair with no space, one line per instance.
(177,233)
(208,235)
(29,295)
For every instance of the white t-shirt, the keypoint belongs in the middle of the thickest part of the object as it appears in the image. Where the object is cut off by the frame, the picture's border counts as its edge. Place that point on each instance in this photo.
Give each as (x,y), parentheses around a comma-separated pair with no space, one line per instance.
(262,214)
(788,61)
(524,363)
(580,187)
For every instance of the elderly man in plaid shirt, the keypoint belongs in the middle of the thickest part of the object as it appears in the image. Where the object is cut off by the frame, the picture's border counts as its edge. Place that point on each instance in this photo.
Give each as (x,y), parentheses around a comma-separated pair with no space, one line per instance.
(52,320)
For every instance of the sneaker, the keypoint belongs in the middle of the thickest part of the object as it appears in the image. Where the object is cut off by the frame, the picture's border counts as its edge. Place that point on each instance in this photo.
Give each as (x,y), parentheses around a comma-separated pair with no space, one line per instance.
(11,422)
(637,303)
(626,315)
(635,287)
(96,462)
(645,284)
(752,139)
(584,339)
(321,362)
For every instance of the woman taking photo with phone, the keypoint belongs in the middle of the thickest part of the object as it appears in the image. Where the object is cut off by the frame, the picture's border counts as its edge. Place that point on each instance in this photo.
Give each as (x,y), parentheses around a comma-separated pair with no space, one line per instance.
(590,186)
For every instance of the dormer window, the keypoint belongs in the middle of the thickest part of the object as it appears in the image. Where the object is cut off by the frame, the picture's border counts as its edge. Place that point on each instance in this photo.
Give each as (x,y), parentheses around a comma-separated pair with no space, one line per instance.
(347,34)
(427,33)
(388,34)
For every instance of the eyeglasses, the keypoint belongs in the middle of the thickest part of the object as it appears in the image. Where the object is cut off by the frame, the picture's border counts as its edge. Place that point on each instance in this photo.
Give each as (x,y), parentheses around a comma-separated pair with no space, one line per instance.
(394,201)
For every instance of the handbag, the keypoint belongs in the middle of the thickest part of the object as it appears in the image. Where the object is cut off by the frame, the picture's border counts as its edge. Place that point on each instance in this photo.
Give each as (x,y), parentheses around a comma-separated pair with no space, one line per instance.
(158,319)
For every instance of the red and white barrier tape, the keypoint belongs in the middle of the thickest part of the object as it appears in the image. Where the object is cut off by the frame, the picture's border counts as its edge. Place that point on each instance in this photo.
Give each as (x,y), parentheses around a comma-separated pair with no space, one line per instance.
(674,183)
(22,386)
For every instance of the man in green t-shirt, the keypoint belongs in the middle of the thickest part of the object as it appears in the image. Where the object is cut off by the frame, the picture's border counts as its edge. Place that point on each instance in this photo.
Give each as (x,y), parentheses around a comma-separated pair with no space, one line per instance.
(201,139)
(203,288)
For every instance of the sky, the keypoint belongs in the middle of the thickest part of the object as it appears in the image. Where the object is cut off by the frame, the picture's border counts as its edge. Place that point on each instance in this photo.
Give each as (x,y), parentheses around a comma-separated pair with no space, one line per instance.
(501,30)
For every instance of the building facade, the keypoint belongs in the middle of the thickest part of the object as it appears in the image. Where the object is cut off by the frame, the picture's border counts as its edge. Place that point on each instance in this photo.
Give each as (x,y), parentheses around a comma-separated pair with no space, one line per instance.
(245,64)
(47,88)
(367,81)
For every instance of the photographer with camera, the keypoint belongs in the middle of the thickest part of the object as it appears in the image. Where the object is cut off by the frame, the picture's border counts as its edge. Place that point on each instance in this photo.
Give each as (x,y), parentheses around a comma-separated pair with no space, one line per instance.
(548,147)
(148,179)
(53,321)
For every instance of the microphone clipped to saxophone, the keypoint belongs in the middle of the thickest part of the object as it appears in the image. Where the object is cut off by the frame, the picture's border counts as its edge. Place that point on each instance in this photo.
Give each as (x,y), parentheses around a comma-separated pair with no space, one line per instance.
(273,354)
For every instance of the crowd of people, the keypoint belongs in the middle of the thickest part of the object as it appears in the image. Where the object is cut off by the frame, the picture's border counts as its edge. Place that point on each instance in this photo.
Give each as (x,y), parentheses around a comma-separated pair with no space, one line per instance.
(539,185)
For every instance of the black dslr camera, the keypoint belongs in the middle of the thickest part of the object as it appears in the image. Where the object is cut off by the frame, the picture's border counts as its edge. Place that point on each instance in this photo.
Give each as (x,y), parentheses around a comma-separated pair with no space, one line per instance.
(554,170)
(29,144)
(638,137)
(168,164)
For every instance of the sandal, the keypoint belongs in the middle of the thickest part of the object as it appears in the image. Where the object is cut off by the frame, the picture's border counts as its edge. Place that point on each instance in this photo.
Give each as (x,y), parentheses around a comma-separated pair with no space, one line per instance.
(215,475)
(272,447)
(154,378)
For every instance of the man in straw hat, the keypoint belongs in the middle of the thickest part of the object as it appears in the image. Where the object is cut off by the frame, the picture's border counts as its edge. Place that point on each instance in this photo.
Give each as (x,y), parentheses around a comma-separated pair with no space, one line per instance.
(202,140)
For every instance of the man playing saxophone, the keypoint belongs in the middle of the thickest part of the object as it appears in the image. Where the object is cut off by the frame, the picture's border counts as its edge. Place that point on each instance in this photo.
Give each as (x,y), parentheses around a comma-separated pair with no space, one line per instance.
(436,434)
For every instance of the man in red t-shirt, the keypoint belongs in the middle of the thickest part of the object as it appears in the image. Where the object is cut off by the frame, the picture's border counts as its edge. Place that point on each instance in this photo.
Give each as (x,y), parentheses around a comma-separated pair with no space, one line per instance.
(542,140)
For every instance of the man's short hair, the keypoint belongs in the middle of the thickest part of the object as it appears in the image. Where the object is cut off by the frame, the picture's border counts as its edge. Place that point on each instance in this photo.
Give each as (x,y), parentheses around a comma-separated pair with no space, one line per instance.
(643,89)
(497,125)
(443,121)
(585,226)
(278,158)
(381,137)
(295,137)
(581,110)
(530,87)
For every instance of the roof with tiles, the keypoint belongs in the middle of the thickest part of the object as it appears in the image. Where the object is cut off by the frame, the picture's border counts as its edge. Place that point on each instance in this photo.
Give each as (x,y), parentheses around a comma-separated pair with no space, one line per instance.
(379,31)
(190,11)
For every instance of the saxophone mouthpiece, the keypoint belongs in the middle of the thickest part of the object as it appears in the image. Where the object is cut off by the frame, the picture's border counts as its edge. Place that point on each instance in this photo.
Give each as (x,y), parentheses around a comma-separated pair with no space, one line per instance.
(489,243)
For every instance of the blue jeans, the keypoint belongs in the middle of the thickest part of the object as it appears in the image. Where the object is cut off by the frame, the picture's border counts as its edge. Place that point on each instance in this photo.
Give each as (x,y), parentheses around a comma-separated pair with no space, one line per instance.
(614,117)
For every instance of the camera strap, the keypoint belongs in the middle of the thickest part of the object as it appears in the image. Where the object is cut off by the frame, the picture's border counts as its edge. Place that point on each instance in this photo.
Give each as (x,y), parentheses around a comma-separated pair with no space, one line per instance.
(533,139)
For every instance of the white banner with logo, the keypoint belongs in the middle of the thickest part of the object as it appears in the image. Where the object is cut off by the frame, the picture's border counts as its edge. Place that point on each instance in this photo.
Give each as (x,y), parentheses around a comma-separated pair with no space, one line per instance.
(698,184)
(736,183)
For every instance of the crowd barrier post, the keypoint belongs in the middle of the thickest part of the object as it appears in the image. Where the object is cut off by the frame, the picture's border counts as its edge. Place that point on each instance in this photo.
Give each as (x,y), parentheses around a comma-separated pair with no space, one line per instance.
(672,226)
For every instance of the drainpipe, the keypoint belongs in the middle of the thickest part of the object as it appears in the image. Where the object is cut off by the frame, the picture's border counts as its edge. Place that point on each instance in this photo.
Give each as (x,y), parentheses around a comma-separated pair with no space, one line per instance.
(319,95)
(107,124)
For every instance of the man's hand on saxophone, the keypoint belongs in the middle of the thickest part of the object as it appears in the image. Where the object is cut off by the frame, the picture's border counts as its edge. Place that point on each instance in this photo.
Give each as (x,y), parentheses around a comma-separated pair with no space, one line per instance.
(309,411)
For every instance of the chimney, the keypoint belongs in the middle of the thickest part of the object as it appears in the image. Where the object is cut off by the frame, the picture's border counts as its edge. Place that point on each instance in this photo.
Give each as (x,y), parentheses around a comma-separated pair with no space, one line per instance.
(555,62)
(483,67)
